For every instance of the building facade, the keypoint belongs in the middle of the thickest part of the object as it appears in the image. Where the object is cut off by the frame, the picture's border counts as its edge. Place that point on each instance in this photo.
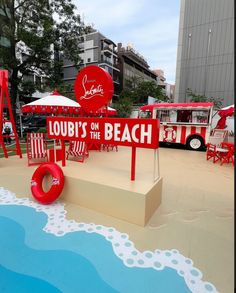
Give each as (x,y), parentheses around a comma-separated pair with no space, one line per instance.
(168,89)
(4,41)
(97,50)
(160,77)
(205,58)
(133,65)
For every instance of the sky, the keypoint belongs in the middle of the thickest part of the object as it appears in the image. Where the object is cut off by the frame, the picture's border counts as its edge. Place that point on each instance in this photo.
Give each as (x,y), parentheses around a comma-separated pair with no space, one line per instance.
(151,26)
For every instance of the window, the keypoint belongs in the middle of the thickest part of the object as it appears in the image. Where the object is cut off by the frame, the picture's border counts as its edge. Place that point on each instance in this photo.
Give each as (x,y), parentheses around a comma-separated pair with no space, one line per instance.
(200,116)
(173,115)
(184,116)
(145,114)
(163,115)
(89,60)
(193,116)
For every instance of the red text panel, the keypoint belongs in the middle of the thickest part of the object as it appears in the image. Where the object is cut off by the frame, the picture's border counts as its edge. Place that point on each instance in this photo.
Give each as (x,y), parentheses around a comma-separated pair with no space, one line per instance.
(142,133)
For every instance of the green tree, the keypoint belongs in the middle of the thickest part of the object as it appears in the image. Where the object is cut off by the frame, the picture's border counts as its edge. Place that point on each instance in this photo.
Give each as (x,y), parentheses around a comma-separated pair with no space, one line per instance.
(37,39)
(139,90)
(148,88)
(201,98)
(124,106)
(66,89)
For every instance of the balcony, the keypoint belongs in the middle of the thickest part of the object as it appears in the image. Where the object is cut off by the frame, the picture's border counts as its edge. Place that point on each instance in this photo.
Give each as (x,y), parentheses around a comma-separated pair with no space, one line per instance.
(81,46)
(113,66)
(107,51)
(116,80)
(107,62)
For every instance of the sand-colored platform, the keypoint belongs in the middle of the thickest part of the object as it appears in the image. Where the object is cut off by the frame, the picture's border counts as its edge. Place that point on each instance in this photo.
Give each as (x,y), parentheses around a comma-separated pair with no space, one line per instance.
(102,183)
(196,215)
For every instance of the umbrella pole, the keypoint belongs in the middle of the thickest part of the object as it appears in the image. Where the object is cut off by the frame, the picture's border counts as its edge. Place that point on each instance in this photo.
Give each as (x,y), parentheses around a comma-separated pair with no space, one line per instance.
(55,153)
(54,147)
(106,111)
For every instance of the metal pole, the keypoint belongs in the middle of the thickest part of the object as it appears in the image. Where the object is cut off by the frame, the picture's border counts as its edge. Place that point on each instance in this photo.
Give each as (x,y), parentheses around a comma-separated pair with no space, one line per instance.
(133,161)
(187,69)
(85,52)
(156,171)
(19,111)
(208,50)
(21,127)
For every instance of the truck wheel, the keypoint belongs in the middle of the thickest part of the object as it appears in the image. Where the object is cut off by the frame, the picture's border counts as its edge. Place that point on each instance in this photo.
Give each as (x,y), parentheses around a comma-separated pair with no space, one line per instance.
(195,143)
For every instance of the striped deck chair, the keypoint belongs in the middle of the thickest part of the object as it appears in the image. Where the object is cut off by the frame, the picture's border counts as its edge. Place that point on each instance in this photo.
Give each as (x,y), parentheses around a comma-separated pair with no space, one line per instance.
(78,149)
(36,148)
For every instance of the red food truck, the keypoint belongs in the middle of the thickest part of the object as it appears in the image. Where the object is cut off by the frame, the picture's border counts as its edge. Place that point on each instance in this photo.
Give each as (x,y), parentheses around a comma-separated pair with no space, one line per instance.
(184,123)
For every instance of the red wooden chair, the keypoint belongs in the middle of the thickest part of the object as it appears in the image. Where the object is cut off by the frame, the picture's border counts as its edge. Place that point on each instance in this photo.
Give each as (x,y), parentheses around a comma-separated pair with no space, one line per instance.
(211,152)
(36,148)
(109,147)
(114,146)
(78,149)
(227,157)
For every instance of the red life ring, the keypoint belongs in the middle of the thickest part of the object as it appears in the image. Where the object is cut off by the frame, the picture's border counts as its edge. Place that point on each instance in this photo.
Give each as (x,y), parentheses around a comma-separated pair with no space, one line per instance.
(57,183)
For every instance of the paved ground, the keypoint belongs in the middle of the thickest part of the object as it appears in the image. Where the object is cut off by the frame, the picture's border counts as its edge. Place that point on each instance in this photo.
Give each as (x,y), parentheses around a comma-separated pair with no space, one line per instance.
(196,215)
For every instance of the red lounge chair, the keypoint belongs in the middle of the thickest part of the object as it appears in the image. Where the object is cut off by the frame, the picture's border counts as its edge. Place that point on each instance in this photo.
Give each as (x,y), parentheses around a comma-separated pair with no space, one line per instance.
(211,152)
(78,149)
(36,148)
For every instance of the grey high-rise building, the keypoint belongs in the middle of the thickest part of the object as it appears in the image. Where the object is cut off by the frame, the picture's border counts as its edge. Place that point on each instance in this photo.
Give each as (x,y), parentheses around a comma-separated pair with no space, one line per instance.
(205,59)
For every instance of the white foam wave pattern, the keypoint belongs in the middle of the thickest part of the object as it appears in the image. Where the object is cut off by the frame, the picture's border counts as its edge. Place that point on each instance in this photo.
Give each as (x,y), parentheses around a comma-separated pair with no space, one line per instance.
(124,248)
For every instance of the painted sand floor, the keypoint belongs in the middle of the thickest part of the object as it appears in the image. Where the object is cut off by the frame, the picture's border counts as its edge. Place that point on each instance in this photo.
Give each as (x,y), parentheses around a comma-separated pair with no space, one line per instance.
(187,246)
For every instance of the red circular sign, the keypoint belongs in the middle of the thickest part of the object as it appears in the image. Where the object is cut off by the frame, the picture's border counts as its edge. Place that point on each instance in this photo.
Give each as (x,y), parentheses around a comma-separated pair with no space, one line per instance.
(93,88)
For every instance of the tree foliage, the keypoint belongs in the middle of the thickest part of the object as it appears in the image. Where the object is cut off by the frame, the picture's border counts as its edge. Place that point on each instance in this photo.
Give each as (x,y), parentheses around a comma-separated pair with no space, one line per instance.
(124,106)
(139,91)
(66,89)
(136,92)
(201,98)
(38,31)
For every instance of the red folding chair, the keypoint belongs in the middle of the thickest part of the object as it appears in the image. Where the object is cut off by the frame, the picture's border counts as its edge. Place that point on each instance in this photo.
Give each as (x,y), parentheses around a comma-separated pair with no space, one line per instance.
(211,152)
(227,157)
(78,150)
(36,148)
(108,147)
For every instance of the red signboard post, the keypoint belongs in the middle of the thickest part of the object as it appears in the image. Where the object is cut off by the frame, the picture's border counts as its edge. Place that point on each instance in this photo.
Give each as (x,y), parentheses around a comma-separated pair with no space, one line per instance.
(5,102)
(142,133)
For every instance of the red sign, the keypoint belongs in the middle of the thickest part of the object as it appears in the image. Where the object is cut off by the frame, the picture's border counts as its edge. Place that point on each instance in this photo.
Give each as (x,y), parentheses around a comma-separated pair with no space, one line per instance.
(142,133)
(93,88)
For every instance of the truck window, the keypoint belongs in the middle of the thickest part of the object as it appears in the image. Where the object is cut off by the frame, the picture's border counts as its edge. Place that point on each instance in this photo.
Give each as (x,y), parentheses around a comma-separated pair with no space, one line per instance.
(200,116)
(145,114)
(167,115)
(184,116)
(163,115)
(181,116)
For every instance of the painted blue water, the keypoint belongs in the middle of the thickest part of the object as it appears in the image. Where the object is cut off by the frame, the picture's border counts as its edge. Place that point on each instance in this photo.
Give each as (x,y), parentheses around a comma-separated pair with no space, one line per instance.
(14,282)
(77,262)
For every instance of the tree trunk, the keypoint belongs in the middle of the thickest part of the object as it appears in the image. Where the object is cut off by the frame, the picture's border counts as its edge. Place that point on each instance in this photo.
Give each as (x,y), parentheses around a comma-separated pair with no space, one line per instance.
(14,70)
(14,91)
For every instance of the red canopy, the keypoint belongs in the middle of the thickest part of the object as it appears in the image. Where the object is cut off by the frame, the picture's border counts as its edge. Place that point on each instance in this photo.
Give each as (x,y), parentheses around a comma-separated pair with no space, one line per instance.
(224,113)
(52,104)
(105,111)
(58,104)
